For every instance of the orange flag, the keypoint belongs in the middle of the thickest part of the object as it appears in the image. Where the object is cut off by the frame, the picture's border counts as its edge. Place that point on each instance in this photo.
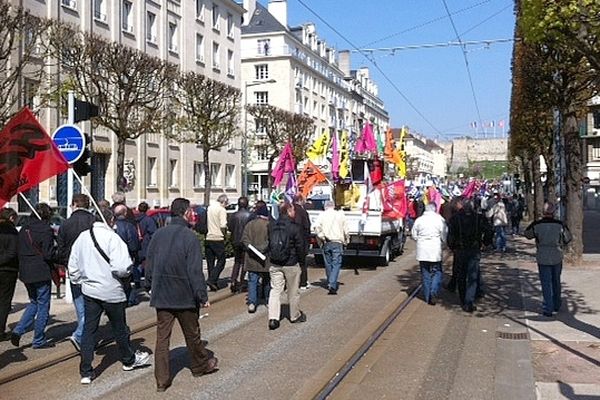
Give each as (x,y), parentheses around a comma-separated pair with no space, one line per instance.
(390,152)
(309,177)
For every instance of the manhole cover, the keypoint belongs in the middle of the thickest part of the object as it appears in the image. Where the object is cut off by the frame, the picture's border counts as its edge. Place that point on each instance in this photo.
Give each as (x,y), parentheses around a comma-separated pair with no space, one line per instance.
(512,336)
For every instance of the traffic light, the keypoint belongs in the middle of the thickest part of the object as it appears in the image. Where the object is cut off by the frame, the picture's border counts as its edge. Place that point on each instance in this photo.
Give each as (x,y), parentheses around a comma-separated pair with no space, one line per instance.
(85,110)
(82,166)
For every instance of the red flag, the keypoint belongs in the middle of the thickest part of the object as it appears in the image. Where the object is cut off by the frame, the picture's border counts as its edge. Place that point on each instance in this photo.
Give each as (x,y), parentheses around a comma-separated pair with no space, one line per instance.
(28,156)
(394,200)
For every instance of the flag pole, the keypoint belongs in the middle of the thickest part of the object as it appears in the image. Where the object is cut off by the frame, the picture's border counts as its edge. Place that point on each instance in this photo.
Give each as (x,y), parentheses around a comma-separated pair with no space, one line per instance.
(90,196)
(30,205)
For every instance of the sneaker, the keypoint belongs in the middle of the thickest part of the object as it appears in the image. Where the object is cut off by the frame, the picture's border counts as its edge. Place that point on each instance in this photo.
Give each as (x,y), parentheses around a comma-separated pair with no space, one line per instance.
(251,308)
(75,343)
(273,324)
(305,287)
(301,318)
(141,359)
(86,380)
(45,345)
(332,291)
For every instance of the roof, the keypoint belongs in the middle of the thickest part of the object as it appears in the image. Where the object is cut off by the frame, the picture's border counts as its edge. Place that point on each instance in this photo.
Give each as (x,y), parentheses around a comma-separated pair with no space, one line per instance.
(262,22)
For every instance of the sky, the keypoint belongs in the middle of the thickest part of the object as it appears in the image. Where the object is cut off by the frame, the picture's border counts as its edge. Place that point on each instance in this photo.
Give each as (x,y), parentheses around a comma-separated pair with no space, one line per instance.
(429,90)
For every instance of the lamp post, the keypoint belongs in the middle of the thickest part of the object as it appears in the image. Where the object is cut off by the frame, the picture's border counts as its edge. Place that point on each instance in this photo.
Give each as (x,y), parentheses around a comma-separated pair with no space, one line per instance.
(245,136)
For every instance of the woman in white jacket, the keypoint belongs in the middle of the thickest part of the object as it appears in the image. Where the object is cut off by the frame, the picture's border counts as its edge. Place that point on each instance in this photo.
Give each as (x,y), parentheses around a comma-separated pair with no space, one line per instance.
(430,232)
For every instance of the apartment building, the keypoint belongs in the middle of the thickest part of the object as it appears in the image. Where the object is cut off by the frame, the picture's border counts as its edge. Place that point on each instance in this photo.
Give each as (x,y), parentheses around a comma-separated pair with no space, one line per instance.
(293,69)
(197,35)
(425,158)
(591,155)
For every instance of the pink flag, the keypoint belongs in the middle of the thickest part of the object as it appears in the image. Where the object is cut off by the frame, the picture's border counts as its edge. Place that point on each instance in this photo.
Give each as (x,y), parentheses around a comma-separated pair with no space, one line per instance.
(434,196)
(285,164)
(366,142)
(335,158)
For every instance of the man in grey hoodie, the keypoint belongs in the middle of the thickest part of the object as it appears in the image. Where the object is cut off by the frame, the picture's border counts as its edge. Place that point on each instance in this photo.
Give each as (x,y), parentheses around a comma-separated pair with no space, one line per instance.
(550,237)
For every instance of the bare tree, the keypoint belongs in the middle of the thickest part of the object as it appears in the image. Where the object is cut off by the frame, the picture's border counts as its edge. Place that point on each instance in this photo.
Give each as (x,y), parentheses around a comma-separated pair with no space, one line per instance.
(22,54)
(130,88)
(279,127)
(209,118)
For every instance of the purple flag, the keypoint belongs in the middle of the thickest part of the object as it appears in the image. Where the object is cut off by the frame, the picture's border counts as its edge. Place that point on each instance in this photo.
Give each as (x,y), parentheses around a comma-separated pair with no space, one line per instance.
(335,158)
(286,163)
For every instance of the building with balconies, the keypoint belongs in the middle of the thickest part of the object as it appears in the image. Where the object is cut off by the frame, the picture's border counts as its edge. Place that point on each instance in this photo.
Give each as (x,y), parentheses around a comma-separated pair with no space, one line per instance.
(591,154)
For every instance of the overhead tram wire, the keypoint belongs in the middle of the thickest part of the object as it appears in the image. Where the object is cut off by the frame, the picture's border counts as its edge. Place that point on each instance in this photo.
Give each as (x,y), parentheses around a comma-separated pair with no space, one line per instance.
(510,5)
(421,25)
(464,52)
(374,64)
(434,45)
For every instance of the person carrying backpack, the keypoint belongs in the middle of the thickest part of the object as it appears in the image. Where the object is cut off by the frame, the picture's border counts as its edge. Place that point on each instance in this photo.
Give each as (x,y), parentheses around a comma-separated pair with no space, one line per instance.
(285,249)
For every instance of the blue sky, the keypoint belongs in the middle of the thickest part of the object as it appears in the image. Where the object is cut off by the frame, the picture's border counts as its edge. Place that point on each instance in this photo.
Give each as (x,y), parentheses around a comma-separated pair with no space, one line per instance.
(435,81)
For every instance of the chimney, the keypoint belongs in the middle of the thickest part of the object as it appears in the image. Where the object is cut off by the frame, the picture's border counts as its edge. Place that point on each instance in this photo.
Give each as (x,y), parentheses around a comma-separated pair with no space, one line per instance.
(249,7)
(278,9)
(344,62)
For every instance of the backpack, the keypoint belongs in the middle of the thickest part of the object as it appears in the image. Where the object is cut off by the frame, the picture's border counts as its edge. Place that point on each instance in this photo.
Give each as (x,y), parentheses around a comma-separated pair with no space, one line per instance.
(201,225)
(279,243)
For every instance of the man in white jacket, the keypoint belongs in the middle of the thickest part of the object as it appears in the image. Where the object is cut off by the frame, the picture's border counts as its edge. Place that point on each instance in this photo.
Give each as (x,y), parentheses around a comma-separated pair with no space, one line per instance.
(99,260)
(430,232)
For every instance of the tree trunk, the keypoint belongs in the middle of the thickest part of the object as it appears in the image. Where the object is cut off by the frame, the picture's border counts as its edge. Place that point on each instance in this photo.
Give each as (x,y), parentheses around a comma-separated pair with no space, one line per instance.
(120,164)
(550,179)
(527,189)
(207,179)
(538,189)
(573,176)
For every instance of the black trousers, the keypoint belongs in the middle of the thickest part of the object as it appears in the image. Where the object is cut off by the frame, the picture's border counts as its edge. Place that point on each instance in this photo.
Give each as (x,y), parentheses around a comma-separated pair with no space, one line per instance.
(8,281)
(303,265)
(215,251)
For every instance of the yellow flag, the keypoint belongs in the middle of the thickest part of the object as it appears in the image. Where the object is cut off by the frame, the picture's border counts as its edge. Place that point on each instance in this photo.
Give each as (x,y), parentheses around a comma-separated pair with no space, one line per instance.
(318,149)
(344,156)
(402,162)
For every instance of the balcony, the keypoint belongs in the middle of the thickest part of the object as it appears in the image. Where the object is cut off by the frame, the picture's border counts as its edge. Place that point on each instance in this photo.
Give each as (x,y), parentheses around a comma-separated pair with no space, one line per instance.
(70,4)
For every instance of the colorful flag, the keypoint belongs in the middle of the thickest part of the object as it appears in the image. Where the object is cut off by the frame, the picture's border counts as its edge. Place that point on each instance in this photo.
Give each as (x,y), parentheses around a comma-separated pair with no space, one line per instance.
(402,154)
(335,158)
(366,142)
(395,204)
(473,124)
(285,164)
(344,155)
(390,152)
(434,197)
(309,177)
(28,156)
(501,123)
(318,149)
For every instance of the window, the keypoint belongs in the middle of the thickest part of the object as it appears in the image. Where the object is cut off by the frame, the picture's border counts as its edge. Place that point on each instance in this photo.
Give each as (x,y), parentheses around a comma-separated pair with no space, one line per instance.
(128,16)
(198,175)
(173,181)
(215,17)
(262,98)
(262,71)
(215,175)
(596,117)
(173,38)
(151,171)
(100,11)
(230,26)
(72,4)
(262,152)
(264,47)
(151,27)
(260,127)
(230,68)
(230,176)
(216,56)
(200,8)
(199,48)
(29,93)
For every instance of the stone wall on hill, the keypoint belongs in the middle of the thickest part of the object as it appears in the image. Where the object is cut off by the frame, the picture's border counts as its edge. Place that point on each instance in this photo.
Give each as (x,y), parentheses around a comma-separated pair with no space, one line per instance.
(464,150)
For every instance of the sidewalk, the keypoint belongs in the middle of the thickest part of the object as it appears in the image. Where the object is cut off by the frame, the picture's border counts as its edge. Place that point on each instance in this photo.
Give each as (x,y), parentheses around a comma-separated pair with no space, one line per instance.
(565,350)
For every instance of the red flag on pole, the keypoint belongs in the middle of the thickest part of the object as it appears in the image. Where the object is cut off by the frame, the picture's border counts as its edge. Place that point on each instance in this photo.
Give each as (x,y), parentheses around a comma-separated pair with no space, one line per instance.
(28,156)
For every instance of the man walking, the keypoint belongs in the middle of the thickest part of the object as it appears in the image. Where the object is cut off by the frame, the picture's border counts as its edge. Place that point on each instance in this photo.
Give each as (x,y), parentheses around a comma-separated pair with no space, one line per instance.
(285,247)
(256,234)
(215,240)
(303,221)
(499,219)
(430,231)
(236,223)
(9,265)
(81,219)
(467,232)
(178,290)
(99,260)
(550,237)
(127,231)
(332,229)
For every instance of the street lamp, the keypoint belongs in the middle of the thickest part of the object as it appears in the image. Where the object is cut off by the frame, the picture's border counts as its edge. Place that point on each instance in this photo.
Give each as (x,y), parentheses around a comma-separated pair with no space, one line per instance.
(245,135)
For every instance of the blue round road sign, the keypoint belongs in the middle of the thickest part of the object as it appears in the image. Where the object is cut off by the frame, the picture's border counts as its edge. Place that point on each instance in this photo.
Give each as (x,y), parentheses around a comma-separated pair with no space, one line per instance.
(70,141)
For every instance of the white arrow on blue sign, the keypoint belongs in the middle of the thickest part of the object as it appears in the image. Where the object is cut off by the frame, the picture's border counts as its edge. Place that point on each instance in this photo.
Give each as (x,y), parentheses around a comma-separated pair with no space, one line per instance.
(70,141)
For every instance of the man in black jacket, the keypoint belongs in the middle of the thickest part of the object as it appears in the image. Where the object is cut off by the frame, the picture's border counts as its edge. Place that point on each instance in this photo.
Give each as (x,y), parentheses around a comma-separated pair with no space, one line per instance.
(235,224)
(285,239)
(467,232)
(9,266)
(178,290)
(302,220)
(80,220)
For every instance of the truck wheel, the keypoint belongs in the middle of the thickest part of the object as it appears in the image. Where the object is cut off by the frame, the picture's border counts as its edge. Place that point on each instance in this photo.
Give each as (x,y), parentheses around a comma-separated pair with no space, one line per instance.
(387,257)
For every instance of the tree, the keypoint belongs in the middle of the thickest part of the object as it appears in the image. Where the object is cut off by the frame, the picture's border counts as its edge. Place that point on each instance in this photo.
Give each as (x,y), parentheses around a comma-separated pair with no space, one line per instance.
(278,127)
(22,55)
(210,117)
(130,88)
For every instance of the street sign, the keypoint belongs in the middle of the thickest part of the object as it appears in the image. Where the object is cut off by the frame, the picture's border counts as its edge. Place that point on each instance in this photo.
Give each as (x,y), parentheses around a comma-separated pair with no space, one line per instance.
(70,141)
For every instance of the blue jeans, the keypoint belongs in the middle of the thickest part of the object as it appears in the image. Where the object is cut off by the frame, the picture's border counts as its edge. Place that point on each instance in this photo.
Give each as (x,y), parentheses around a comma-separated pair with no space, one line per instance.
(500,238)
(254,285)
(116,315)
(468,274)
(36,313)
(550,278)
(332,255)
(78,302)
(431,275)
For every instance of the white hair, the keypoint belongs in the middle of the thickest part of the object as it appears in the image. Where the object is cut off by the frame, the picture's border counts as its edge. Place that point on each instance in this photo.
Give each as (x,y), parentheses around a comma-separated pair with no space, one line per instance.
(431,207)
